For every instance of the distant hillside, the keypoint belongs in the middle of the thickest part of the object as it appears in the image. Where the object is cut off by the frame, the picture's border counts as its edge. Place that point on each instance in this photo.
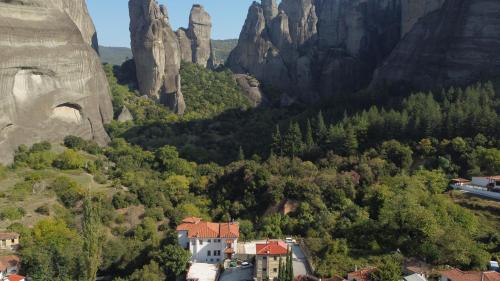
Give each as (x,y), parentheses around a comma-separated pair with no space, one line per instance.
(114,55)
(117,55)
(223,48)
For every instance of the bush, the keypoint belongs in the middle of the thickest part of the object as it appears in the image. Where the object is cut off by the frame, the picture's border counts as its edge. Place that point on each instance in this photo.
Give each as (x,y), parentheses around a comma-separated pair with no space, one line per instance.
(100,178)
(43,210)
(123,200)
(12,213)
(69,160)
(68,191)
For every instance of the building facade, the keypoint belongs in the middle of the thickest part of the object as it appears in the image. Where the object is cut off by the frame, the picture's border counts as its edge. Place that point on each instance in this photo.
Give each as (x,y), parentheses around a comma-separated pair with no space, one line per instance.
(208,242)
(267,259)
(9,241)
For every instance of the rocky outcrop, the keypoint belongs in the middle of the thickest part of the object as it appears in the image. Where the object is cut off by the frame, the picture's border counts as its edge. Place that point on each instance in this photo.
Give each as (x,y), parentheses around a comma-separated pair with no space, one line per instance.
(456,45)
(413,10)
(316,48)
(51,80)
(157,53)
(125,115)
(195,41)
(250,88)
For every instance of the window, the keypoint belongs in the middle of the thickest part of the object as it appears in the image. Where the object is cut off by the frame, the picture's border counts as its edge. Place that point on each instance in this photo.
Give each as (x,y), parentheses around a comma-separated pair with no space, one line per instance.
(275,258)
(264,258)
(264,269)
(218,260)
(209,253)
(275,270)
(217,253)
(13,240)
(201,242)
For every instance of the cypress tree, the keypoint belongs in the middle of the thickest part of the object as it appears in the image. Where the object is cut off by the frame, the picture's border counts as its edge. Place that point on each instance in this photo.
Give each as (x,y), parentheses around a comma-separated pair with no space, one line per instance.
(277,145)
(309,136)
(350,141)
(290,265)
(293,140)
(241,154)
(320,130)
(92,237)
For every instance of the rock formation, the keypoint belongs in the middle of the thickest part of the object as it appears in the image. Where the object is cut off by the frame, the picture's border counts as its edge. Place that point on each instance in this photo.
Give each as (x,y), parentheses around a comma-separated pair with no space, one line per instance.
(456,45)
(157,53)
(250,88)
(125,115)
(315,48)
(51,80)
(195,41)
(310,49)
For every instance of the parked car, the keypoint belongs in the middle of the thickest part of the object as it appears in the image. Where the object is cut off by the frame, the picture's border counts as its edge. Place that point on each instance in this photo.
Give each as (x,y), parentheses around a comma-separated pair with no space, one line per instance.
(290,240)
(246,264)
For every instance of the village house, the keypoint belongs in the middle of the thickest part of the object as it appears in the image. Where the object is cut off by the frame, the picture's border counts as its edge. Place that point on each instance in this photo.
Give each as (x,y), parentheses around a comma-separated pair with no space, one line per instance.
(9,241)
(9,265)
(361,275)
(458,275)
(208,242)
(267,259)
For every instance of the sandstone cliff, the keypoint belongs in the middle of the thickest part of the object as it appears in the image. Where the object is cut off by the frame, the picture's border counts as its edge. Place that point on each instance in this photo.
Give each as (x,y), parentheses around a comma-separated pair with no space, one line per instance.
(311,49)
(456,45)
(315,48)
(157,53)
(195,41)
(51,80)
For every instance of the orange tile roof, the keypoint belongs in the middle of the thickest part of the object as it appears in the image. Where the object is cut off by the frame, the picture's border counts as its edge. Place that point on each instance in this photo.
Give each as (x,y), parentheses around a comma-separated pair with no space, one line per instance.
(15,278)
(9,261)
(197,228)
(8,235)
(362,275)
(272,248)
(458,275)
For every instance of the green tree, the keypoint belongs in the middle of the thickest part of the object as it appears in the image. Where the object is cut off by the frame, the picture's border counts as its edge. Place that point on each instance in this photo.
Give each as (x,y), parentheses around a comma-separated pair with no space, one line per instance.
(69,160)
(92,238)
(277,142)
(389,270)
(309,141)
(173,260)
(293,144)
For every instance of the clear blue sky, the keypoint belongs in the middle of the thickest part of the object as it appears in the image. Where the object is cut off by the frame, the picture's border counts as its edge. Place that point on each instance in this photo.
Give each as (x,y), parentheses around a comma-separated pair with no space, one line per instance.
(112,20)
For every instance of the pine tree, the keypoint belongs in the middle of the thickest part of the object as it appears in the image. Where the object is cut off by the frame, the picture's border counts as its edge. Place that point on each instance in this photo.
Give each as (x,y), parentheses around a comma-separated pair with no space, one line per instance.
(350,141)
(293,144)
(320,128)
(93,238)
(281,271)
(309,136)
(241,154)
(277,145)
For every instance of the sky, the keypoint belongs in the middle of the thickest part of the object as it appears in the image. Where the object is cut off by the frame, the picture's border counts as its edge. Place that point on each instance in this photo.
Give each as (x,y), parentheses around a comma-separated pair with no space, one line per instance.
(111,18)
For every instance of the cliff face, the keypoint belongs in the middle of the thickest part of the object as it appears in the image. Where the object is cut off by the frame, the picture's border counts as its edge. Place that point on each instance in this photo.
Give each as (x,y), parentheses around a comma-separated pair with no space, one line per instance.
(195,41)
(51,80)
(157,54)
(310,49)
(314,48)
(456,45)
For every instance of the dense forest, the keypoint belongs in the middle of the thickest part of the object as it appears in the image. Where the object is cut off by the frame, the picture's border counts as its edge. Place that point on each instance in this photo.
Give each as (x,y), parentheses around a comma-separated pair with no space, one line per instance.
(368,185)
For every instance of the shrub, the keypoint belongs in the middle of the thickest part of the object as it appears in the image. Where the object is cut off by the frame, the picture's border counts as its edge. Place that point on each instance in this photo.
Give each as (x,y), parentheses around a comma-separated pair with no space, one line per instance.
(12,213)
(100,178)
(43,210)
(69,160)
(68,191)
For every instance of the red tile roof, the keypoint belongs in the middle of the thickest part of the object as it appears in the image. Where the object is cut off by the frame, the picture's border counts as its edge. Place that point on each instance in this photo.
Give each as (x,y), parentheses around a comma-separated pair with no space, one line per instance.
(458,275)
(9,261)
(362,275)
(272,248)
(197,228)
(15,278)
(8,235)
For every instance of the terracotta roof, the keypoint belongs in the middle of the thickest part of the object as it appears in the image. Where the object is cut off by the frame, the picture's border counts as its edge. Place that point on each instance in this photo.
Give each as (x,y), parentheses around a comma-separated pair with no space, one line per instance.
(458,275)
(460,180)
(272,248)
(198,228)
(229,251)
(362,275)
(495,178)
(9,261)
(8,235)
(15,278)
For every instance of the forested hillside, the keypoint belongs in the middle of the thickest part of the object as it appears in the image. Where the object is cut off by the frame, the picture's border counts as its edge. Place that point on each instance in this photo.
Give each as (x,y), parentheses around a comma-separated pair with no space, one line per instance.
(369,186)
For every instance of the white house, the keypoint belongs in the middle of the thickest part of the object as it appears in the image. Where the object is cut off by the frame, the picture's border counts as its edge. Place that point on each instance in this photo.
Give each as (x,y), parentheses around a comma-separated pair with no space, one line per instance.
(208,242)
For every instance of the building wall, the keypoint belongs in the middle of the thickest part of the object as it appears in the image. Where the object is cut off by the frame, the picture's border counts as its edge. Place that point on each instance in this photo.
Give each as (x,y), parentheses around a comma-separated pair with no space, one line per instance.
(481,181)
(271,264)
(9,244)
(199,250)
